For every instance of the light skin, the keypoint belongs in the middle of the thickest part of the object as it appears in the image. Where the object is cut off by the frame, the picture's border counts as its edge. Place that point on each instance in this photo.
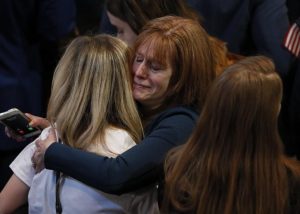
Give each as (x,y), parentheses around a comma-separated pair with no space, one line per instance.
(124,31)
(15,192)
(151,80)
(150,84)
(13,195)
(35,121)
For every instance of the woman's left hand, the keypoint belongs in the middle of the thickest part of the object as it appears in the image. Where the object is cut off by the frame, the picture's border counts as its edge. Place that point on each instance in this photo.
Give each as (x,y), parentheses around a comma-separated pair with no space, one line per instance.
(41,147)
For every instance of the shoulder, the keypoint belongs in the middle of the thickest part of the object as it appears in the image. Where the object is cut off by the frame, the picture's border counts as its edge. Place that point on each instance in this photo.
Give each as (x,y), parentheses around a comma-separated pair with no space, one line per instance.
(177,122)
(116,141)
(178,113)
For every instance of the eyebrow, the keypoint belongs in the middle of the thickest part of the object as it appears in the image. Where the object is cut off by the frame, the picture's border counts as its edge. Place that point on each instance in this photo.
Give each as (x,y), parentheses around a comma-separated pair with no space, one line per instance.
(149,58)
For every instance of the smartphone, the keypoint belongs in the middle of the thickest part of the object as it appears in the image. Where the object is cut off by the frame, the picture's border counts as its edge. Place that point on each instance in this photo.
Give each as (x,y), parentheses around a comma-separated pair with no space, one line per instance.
(18,122)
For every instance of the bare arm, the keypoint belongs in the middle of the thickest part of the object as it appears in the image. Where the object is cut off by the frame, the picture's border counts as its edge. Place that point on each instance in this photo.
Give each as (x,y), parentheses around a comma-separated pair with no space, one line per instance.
(13,195)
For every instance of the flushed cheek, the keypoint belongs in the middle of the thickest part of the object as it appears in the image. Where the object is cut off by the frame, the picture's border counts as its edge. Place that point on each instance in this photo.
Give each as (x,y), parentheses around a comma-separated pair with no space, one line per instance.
(159,88)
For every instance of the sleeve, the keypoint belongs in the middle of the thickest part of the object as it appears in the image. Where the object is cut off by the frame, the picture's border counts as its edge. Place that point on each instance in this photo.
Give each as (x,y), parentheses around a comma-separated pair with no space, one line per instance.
(137,167)
(269,26)
(22,165)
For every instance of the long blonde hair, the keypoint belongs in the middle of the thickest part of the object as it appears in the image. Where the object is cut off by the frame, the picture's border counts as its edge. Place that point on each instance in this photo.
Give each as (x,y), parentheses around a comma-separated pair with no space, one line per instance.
(92,90)
(234,161)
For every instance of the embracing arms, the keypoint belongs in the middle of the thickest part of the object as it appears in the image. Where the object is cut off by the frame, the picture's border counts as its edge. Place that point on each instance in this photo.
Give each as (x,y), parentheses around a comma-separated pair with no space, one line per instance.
(138,167)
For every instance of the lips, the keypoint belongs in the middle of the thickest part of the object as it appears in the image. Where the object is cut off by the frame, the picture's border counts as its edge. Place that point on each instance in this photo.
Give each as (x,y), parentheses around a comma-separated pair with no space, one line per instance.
(139,86)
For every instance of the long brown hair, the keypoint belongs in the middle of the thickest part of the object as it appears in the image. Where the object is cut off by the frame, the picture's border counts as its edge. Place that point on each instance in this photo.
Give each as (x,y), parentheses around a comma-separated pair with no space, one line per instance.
(234,163)
(186,45)
(92,90)
(138,12)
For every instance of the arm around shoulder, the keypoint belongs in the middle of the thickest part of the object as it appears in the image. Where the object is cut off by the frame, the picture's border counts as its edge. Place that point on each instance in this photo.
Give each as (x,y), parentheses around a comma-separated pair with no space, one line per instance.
(137,167)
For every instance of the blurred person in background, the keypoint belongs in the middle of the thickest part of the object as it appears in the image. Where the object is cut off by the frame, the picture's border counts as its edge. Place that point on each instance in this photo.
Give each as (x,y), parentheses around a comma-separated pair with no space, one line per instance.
(30,32)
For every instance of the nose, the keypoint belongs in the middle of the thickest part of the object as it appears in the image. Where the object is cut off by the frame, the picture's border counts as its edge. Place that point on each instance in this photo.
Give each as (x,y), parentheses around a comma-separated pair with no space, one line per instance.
(141,71)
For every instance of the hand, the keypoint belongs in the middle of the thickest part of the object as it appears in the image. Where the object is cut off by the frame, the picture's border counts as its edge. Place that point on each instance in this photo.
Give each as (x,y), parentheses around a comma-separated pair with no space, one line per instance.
(35,121)
(38,122)
(41,147)
(11,134)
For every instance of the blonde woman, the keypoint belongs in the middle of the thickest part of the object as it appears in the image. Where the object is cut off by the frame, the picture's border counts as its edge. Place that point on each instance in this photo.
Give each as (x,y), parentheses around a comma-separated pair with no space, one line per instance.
(92,109)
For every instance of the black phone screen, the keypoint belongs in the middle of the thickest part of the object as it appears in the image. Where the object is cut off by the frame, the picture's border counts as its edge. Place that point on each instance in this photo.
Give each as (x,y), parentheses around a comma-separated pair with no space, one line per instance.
(19,124)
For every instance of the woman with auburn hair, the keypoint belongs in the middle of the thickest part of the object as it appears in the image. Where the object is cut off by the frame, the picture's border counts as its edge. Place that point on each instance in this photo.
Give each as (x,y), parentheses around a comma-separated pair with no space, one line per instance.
(171,37)
(234,161)
(92,109)
(171,78)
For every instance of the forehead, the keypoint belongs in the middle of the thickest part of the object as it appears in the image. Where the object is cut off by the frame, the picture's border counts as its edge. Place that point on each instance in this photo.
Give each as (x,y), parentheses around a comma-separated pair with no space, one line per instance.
(154,50)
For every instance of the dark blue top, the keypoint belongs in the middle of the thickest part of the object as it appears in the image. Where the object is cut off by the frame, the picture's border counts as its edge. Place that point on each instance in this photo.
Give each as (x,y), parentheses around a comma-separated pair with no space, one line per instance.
(139,166)
(24,25)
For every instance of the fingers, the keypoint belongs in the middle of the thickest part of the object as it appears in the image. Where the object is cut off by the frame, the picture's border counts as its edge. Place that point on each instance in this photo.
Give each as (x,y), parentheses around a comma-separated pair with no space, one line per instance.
(38,144)
(38,161)
(52,135)
(7,132)
(36,164)
(41,146)
(36,121)
(33,160)
(32,119)
(11,134)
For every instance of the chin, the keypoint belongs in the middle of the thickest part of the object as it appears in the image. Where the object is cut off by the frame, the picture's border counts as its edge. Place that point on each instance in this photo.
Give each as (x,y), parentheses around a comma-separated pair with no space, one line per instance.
(139,99)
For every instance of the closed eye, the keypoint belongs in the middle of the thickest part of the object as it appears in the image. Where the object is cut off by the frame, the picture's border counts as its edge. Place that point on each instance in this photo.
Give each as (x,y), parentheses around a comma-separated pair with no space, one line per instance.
(139,59)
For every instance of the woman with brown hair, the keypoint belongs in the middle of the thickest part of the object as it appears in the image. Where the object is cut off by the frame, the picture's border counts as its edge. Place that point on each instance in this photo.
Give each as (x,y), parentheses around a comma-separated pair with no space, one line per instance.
(234,161)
